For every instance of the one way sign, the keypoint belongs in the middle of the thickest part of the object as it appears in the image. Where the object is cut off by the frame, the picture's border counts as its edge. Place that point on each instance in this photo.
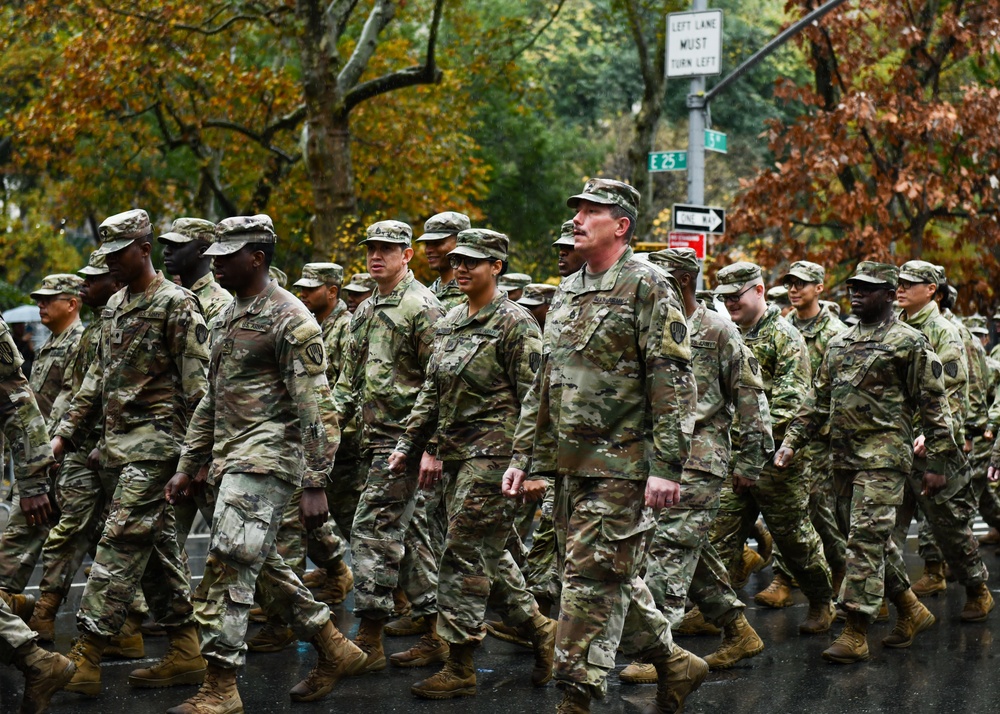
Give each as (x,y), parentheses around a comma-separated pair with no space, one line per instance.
(699,219)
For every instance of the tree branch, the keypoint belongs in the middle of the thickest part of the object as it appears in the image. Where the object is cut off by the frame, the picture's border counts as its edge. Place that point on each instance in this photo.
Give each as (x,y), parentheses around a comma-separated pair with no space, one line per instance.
(380,16)
(534,38)
(250,134)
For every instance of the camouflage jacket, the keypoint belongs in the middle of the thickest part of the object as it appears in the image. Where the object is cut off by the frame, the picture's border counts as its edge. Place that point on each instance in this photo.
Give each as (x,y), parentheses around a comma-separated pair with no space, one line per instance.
(616,393)
(728,381)
(149,376)
(21,420)
(993,394)
(390,343)
(975,422)
(212,297)
(336,328)
(52,368)
(817,332)
(478,375)
(874,384)
(86,355)
(784,366)
(268,409)
(449,294)
(947,344)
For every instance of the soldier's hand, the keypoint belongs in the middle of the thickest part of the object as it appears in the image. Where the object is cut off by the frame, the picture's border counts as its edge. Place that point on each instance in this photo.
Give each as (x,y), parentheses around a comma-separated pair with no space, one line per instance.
(313,508)
(94,459)
(988,435)
(919,447)
(197,485)
(993,473)
(742,485)
(781,459)
(533,490)
(933,483)
(177,487)
(662,492)
(968,446)
(58,445)
(430,471)
(513,479)
(37,510)
(397,462)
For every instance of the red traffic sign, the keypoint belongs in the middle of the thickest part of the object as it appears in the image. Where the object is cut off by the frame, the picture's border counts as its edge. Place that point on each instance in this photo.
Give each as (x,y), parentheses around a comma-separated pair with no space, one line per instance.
(676,239)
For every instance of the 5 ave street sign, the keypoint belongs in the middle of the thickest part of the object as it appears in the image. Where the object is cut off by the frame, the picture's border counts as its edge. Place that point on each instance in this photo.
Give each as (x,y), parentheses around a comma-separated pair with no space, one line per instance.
(694,43)
(667,161)
(715,141)
(699,219)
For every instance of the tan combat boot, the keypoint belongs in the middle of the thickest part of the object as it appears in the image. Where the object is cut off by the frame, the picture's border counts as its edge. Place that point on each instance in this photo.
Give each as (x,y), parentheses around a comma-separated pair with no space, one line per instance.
(749,564)
(778,594)
(20,604)
(407,626)
(978,603)
(338,658)
(739,642)
(257,614)
(573,702)
(181,664)
(339,582)
(217,695)
(912,618)
(86,656)
(45,673)
(497,629)
(274,636)
(931,582)
(369,639)
(456,679)
(638,673)
(678,675)
(820,618)
(765,543)
(543,642)
(852,645)
(400,603)
(127,644)
(694,624)
(314,578)
(430,649)
(991,538)
(43,619)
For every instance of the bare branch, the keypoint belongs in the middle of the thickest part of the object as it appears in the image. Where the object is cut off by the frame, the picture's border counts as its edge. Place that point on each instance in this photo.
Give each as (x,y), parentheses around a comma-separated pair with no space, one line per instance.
(250,134)
(381,15)
(534,38)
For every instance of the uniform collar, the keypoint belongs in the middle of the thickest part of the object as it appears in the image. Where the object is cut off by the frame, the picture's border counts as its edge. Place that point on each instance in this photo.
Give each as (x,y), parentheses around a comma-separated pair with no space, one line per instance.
(771,314)
(574,283)
(927,312)
(486,312)
(396,296)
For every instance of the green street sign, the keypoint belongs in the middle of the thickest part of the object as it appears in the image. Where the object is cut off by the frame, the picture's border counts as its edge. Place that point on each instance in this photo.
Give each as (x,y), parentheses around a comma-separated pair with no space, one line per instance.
(715,141)
(667,161)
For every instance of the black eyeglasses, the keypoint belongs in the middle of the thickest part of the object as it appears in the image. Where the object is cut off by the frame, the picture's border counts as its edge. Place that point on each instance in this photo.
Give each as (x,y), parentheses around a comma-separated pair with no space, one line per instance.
(733,299)
(456,261)
(796,283)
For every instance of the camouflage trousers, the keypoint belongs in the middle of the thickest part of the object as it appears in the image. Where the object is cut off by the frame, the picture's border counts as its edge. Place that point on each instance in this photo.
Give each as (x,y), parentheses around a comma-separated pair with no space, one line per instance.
(540,571)
(423,547)
(949,514)
(290,540)
(20,548)
(243,558)
(875,567)
(385,510)
(510,597)
(782,496)
(138,548)
(681,560)
(601,525)
(13,633)
(185,513)
(328,544)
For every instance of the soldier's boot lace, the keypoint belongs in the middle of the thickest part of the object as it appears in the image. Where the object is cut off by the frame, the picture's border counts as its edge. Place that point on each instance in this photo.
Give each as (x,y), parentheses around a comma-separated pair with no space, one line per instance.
(20,604)
(819,619)
(339,582)
(456,679)
(274,636)
(931,582)
(217,695)
(45,673)
(852,645)
(86,654)
(369,640)
(430,649)
(181,664)
(778,594)
(338,658)
(978,603)
(678,675)
(739,642)
(127,644)
(912,618)
(694,624)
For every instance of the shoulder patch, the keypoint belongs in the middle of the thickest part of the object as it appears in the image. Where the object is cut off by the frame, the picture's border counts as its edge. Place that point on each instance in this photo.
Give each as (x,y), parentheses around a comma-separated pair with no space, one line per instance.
(754,365)
(951,369)
(936,369)
(6,352)
(314,351)
(678,331)
(201,334)
(535,361)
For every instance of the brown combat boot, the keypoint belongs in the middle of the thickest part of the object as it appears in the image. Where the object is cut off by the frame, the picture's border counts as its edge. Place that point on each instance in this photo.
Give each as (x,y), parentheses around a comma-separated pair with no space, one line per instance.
(497,629)
(852,645)
(339,582)
(931,582)
(765,543)
(181,664)
(400,603)
(257,614)
(408,626)
(740,642)
(978,603)
(430,649)
(573,702)
(127,644)
(338,658)
(86,656)
(638,673)
(20,604)
(45,673)
(778,594)
(677,676)
(912,618)
(217,695)
(456,679)
(43,619)
(369,639)
(991,538)
(694,624)
(749,564)
(543,642)
(314,578)
(820,618)
(274,636)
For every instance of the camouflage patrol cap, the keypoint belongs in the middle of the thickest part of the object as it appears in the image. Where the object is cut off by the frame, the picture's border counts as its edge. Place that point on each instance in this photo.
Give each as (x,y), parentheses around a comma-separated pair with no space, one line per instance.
(778,295)
(360,283)
(676,259)
(316,275)
(566,236)
(231,234)
(976,324)
(96,265)
(443,225)
(58,284)
(483,244)
(609,193)
(120,230)
(804,270)
(874,273)
(514,281)
(389,232)
(536,294)
(733,278)
(278,274)
(185,230)
(919,271)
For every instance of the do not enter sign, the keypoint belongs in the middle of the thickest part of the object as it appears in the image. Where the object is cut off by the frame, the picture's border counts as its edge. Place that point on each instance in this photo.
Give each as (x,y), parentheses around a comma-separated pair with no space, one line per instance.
(696,241)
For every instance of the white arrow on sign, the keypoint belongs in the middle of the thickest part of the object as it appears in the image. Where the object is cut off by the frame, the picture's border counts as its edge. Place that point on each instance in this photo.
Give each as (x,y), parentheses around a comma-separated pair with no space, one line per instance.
(710,220)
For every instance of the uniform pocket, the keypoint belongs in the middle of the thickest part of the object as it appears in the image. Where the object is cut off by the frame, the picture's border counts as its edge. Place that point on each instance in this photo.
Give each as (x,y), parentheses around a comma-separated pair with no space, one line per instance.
(241,532)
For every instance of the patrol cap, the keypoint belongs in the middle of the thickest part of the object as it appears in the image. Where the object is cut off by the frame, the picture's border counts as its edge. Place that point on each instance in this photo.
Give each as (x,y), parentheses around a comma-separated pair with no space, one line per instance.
(778,295)
(443,225)
(279,275)
(566,236)
(483,244)
(514,281)
(360,283)
(536,294)
(608,192)
(59,284)
(733,278)
(185,230)
(918,271)
(96,265)
(231,234)
(389,232)
(316,275)
(120,230)
(676,259)
(804,270)
(976,324)
(874,273)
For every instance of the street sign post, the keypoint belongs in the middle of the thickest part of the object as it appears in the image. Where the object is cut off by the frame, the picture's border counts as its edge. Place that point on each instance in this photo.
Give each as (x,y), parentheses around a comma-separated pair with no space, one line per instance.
(667,161)
(716,141)
(694,43)
(699,219)
(697,241)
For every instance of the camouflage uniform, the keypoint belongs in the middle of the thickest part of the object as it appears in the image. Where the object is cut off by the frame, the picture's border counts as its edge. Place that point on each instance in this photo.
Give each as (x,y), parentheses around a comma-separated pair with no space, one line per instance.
(212,297)
(781,496)
(150,374)
(387,351)
(267,421)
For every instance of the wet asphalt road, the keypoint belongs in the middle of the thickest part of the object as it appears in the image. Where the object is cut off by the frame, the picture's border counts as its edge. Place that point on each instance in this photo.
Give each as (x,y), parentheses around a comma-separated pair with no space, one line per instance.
(950,668)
